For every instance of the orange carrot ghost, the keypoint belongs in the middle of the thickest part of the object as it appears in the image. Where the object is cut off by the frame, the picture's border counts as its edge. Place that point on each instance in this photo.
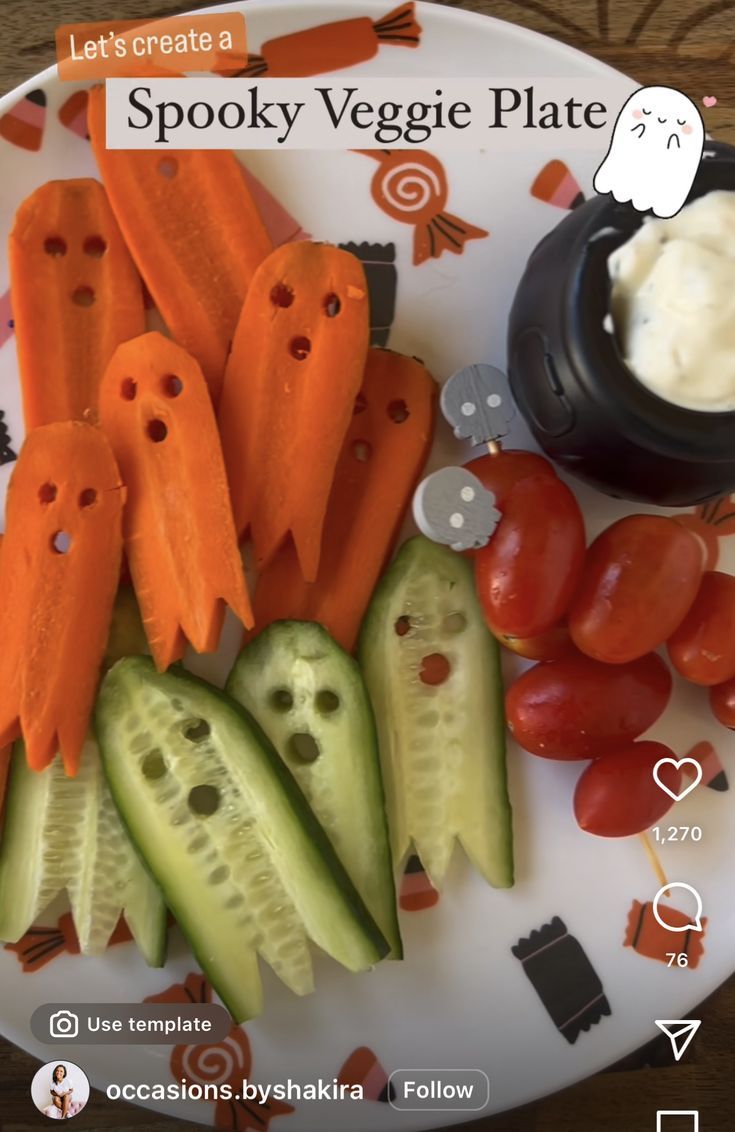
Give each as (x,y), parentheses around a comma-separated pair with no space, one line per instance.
(76,296)
(59,571)
(179,532)
(412,187)
(292,376)
(334,46)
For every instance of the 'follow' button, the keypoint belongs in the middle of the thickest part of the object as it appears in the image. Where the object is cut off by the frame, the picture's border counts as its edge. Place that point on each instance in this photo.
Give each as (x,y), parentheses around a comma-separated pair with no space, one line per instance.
(439,1090)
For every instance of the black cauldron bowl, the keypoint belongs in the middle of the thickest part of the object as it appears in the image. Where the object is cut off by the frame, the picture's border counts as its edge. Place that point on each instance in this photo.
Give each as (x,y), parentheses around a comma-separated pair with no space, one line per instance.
(586,409)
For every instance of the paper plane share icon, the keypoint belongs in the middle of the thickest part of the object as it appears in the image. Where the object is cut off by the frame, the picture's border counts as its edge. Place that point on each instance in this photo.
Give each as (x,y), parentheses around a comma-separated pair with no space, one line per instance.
(680,1032)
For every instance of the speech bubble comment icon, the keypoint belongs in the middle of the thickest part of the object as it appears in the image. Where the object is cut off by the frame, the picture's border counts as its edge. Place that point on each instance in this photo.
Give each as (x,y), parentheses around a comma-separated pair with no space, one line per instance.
(678,764)
(695,925)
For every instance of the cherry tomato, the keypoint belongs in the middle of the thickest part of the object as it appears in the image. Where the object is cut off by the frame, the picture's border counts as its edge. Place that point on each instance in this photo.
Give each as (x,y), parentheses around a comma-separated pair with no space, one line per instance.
(639,581)
(707,533)
(500,471)
(527,574)
(722,703)
(702,649)
(551,645)
(617,796)
(577,708)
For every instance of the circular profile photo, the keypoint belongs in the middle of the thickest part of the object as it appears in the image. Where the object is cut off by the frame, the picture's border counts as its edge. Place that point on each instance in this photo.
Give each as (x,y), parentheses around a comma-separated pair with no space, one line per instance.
(60,1090)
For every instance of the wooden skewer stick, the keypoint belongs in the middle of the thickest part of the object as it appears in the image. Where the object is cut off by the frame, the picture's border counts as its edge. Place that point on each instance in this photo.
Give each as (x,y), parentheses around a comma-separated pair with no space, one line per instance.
(655,863)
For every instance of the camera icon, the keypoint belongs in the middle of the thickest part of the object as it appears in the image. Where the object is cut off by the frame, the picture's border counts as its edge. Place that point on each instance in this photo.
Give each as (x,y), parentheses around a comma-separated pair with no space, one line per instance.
(63,1024)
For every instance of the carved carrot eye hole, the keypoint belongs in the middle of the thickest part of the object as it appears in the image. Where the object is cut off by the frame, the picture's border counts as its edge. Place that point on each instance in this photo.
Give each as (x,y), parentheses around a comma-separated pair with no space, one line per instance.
(332,305)
(54,246)
(47,492)
(281,295)
(95,246)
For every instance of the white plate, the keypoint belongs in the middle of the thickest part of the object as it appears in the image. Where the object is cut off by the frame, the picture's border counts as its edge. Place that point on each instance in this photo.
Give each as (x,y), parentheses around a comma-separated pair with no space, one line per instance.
(461,998)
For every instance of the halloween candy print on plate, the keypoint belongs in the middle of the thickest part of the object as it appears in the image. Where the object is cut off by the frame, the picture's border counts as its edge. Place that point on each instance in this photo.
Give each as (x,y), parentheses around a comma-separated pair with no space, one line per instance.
(500,893)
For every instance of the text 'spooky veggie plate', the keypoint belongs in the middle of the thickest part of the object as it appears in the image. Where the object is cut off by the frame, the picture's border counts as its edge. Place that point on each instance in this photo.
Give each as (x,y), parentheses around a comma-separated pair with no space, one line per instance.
(444,244)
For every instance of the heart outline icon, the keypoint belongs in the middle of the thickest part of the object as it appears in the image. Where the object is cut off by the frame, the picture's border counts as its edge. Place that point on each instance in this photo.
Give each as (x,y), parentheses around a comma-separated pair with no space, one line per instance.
(678,764)
(709,100)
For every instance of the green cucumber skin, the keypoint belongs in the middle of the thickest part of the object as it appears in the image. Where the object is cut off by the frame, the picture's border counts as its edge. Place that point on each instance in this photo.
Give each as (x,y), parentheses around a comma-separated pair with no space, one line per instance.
(64,833)
(20,854)
(474,806)
(303,656)
(351,935)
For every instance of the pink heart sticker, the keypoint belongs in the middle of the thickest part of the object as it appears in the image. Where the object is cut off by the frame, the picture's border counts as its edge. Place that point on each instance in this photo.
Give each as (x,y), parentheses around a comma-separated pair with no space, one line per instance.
(709,100)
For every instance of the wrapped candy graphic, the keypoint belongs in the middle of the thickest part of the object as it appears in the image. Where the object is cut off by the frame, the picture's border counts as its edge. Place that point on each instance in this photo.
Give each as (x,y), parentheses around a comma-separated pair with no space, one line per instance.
(40,945)
(563,978)
(334,46)
(412,188)
(227,1062)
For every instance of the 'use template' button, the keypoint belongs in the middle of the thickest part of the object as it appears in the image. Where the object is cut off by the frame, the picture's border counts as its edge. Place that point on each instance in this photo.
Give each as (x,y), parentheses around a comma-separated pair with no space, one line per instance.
(439,1090)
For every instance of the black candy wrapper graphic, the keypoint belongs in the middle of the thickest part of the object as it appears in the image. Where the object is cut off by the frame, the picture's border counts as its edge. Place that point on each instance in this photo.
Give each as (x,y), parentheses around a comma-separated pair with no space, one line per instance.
(378,261)
(563,978)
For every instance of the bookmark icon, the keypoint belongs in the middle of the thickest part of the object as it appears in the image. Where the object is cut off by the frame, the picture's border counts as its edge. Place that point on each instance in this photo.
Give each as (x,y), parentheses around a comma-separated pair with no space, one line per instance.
(679,1032)
(663,1125)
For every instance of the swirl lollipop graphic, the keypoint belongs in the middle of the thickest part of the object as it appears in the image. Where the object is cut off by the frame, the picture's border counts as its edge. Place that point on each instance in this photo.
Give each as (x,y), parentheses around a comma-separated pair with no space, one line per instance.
(227,1062)
(412,188)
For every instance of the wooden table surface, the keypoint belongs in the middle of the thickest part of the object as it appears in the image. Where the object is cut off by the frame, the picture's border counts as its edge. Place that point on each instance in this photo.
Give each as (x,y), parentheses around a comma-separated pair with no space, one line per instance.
(684,43)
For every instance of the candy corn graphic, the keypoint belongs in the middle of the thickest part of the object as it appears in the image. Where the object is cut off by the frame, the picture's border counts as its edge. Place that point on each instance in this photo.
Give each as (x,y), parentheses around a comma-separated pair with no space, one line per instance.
(556,185)
(713,772)
(23,125)
(417,892)
(73,114)
(363,1068)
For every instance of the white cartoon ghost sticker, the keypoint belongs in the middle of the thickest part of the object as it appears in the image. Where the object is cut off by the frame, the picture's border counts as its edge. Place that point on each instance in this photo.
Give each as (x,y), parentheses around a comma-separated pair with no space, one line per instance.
(654,153)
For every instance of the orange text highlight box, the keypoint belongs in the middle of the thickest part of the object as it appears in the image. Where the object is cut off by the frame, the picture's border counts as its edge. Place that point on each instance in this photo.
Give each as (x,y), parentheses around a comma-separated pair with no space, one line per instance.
(214,42)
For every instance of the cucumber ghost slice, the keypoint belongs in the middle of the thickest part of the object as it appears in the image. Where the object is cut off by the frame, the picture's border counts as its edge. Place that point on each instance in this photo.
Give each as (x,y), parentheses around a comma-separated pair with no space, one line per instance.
(309,697)
(432,670)
(65,833)
(225,830)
